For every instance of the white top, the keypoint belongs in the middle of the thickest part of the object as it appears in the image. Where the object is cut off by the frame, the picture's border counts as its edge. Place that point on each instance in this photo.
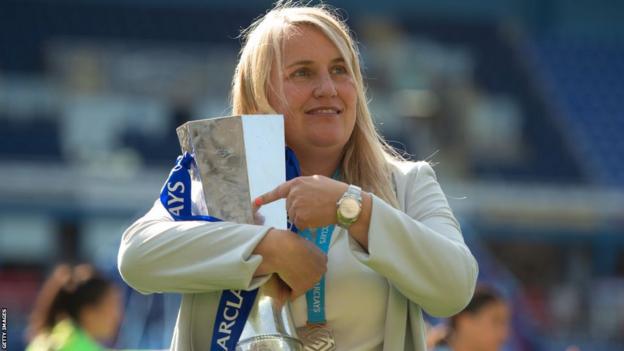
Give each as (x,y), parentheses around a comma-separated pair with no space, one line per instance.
(418,249)
(355,298)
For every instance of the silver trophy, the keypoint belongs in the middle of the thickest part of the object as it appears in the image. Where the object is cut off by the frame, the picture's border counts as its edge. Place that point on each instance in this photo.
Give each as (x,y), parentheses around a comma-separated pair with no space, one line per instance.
(237,159)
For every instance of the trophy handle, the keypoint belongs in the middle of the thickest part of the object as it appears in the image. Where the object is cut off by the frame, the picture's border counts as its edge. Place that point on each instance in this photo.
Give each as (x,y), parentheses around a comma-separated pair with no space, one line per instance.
(270,325)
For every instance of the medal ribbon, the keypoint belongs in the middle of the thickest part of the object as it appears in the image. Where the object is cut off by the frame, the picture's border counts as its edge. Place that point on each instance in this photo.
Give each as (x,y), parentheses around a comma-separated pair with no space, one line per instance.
(315,297)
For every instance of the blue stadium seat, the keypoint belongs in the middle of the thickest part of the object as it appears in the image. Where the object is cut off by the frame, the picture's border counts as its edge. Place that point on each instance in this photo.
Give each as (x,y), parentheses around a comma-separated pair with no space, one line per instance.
(588,85)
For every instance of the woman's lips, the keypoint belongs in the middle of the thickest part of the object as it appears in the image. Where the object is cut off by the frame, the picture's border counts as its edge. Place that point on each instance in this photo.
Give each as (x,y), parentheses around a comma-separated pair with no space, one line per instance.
(324,111)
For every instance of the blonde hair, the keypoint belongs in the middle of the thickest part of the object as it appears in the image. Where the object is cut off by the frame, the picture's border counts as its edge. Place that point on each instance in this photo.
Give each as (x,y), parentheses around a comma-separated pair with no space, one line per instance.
(366,155)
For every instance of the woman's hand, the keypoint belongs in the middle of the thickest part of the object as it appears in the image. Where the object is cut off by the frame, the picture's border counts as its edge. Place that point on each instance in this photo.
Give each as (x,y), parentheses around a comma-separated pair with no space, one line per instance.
(258,218)
(298,262)
(310,201)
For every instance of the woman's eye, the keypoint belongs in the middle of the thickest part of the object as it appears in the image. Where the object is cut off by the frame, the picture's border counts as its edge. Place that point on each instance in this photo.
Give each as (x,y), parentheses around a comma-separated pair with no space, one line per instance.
(302,72)
(339,70)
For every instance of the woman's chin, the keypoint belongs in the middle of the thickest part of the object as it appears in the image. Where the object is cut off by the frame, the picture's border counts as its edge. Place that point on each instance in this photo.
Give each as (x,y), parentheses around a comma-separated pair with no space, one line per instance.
(327,142)
(316,140)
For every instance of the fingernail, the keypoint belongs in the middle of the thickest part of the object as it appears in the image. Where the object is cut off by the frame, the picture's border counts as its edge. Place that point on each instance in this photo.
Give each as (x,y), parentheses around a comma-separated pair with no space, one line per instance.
(258,201)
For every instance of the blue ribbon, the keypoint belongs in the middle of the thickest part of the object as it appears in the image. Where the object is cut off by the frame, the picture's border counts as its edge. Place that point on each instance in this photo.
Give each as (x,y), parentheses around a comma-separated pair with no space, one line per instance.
(315,297)
(235,305)
(293,170)
(176,193)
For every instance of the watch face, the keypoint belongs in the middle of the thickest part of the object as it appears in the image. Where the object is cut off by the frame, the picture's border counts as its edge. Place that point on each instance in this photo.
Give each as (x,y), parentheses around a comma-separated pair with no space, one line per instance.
(349,208)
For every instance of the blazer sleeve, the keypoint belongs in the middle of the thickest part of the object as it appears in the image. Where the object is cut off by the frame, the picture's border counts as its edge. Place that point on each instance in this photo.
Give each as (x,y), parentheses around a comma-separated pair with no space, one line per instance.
(421,251)
(158,254)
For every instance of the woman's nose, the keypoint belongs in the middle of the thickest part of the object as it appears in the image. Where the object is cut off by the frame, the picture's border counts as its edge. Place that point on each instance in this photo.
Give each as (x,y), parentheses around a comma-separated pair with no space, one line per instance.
(326,86)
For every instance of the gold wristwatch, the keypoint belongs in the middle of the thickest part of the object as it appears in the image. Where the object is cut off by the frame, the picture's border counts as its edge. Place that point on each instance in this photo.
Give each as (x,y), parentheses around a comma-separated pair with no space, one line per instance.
(349,206)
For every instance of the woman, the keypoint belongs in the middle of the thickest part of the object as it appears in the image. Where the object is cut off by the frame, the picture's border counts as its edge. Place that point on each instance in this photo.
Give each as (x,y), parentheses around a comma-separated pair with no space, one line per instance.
(482,325)
(75,310)
(395,246)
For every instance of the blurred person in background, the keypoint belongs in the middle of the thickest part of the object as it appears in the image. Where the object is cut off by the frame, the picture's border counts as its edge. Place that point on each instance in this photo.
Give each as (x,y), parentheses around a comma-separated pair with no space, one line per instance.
(77,309)
(482,326)
(435,334)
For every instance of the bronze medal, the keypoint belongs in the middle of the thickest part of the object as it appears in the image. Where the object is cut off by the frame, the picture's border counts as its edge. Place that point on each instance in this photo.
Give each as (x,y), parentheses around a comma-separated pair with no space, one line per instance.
(317,337)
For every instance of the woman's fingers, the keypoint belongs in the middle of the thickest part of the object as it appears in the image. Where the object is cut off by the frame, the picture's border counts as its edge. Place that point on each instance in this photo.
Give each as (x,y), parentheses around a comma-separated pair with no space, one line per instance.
(310,200)
(297,261)
(281,192)
(257,216)
(300,263)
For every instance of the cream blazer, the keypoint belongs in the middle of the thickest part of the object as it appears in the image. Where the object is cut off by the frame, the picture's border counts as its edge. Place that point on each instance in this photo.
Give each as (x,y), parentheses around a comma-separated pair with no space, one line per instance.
(419,249)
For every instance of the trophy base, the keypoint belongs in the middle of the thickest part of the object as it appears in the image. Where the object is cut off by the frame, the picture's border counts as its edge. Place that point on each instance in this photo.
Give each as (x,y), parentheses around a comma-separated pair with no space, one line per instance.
(270,343)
